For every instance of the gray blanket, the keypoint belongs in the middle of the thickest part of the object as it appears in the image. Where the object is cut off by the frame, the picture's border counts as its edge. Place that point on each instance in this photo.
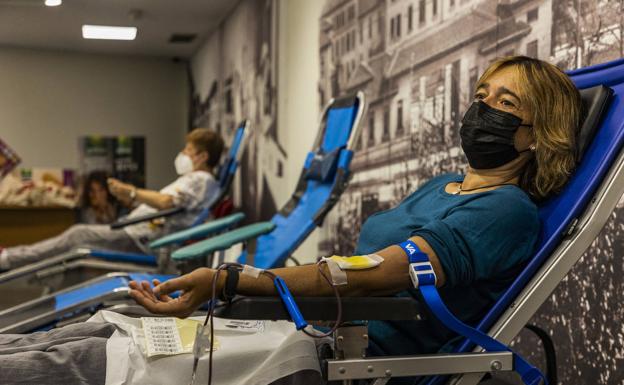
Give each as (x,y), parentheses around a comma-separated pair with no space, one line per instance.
(74,354)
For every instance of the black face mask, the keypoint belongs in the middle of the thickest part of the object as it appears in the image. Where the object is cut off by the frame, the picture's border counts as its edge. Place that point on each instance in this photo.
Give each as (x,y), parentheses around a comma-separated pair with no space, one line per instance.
(487,136)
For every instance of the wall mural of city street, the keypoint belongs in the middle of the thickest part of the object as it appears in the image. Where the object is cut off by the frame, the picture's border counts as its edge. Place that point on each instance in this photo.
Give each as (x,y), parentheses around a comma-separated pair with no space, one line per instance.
(241,68)
(416,61)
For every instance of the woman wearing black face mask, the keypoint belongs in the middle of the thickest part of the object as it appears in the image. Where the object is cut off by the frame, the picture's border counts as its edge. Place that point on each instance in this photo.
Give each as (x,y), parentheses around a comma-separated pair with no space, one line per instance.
(477,229)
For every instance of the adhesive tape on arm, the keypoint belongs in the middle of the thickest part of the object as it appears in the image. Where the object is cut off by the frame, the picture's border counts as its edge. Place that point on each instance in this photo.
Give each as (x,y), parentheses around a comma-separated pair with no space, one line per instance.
(357,262)
(252,271)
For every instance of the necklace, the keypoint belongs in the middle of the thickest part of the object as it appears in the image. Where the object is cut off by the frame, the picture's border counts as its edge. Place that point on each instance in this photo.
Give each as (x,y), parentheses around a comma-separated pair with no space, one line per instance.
(460,189)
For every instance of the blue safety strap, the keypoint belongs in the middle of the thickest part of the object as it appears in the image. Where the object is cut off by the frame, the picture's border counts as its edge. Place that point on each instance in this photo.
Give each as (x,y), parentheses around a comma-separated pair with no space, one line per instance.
(420,269)
(529,373)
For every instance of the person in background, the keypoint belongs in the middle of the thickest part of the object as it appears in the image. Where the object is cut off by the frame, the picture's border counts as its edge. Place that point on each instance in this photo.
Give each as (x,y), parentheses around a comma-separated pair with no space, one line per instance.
(98,205)
(193,190)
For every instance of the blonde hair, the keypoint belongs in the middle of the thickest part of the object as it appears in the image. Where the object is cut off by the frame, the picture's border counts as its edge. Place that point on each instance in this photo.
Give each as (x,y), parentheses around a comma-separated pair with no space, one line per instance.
(555,107)
(204,139)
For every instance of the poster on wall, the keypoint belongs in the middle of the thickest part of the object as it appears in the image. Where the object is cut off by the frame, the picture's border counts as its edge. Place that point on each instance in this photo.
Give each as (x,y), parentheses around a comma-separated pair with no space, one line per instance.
(122,157)
(244,86)
(417,61)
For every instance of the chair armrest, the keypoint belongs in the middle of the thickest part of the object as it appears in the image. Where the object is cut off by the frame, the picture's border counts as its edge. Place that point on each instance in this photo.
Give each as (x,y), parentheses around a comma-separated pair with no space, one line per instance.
(222,242)
(44,264)
(198,232)
(119,256)
(148,217)
(324,308)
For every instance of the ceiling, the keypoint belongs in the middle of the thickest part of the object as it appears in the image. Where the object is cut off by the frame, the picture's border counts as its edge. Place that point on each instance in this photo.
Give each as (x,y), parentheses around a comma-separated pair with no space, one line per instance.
(29,23)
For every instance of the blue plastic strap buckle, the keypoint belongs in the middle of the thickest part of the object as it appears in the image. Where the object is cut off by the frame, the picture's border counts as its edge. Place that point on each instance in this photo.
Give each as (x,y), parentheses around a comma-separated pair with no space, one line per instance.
(290,304)
(422,274)
(420,269)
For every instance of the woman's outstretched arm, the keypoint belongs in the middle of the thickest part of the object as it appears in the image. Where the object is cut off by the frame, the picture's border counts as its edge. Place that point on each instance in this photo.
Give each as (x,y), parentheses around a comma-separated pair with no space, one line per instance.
(391,276)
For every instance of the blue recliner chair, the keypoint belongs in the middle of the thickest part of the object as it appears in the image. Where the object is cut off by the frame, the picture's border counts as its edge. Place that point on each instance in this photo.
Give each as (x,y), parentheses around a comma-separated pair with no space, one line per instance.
(83,263)
(570,222)
(322,181)
(325,176)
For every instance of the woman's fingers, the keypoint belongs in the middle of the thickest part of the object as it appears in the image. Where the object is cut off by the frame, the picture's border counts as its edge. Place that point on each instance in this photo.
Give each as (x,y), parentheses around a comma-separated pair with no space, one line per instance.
(163,297)
(137,286)
(172,285)
(144,288)
(139,295)
(142,293)
(195,289)
(147,289)
(175,307)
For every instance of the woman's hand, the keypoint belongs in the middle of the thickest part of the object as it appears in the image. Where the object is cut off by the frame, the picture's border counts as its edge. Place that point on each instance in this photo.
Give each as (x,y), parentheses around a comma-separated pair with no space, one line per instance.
(119,189)
(196,289)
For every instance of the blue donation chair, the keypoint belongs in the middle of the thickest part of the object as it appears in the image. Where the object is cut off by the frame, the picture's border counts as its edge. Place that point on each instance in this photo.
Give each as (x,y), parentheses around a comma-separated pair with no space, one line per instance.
(570,222)
(324,178)
(83,263)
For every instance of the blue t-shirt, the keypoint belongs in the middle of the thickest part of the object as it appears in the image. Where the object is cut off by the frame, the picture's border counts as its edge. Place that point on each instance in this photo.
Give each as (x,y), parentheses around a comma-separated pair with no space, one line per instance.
(482,241)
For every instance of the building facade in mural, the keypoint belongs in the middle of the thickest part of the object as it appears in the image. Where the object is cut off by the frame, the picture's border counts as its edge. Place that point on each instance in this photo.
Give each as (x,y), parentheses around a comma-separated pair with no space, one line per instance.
(245,88)
(417,62)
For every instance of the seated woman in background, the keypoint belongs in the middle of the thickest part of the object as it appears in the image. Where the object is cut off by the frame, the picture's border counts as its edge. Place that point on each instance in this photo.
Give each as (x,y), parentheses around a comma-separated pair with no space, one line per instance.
(98,206)
(194,188)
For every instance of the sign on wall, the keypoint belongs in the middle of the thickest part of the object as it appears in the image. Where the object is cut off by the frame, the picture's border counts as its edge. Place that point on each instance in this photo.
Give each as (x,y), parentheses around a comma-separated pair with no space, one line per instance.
(122,157)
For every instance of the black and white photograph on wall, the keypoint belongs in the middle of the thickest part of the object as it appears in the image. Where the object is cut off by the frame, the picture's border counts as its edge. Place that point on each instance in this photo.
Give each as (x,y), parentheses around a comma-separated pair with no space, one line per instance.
(417,62)
(244,86)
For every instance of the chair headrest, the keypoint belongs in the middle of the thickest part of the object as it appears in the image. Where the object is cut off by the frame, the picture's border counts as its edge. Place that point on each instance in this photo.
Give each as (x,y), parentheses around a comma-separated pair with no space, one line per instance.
(595,101)
(339,122)
(345,101)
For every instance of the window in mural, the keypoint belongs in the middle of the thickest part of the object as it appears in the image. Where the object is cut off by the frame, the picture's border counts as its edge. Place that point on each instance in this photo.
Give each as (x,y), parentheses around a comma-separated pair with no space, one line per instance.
(400,126)
(531,49)
(229,107)
(532,15)
(385,135)
(371,130)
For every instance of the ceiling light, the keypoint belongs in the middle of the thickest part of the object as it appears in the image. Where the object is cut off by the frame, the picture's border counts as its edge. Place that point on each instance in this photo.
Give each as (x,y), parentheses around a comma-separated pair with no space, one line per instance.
(108,32)
(53,3)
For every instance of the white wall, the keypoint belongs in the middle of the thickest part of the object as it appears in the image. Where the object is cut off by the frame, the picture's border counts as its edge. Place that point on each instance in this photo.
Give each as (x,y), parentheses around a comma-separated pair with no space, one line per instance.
(206,65)
(298,99)
(49,99)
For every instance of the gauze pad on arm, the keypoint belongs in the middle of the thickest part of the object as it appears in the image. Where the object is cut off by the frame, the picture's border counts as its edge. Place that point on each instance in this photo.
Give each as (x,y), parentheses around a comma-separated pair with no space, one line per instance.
(338,265)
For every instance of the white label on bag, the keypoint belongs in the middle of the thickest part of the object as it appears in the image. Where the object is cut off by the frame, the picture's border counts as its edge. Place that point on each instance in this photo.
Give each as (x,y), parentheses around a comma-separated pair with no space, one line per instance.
(245,326)
(162,336)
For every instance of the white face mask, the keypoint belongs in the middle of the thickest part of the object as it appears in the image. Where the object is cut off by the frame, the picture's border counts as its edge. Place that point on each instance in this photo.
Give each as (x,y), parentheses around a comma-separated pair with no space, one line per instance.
(183,164)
